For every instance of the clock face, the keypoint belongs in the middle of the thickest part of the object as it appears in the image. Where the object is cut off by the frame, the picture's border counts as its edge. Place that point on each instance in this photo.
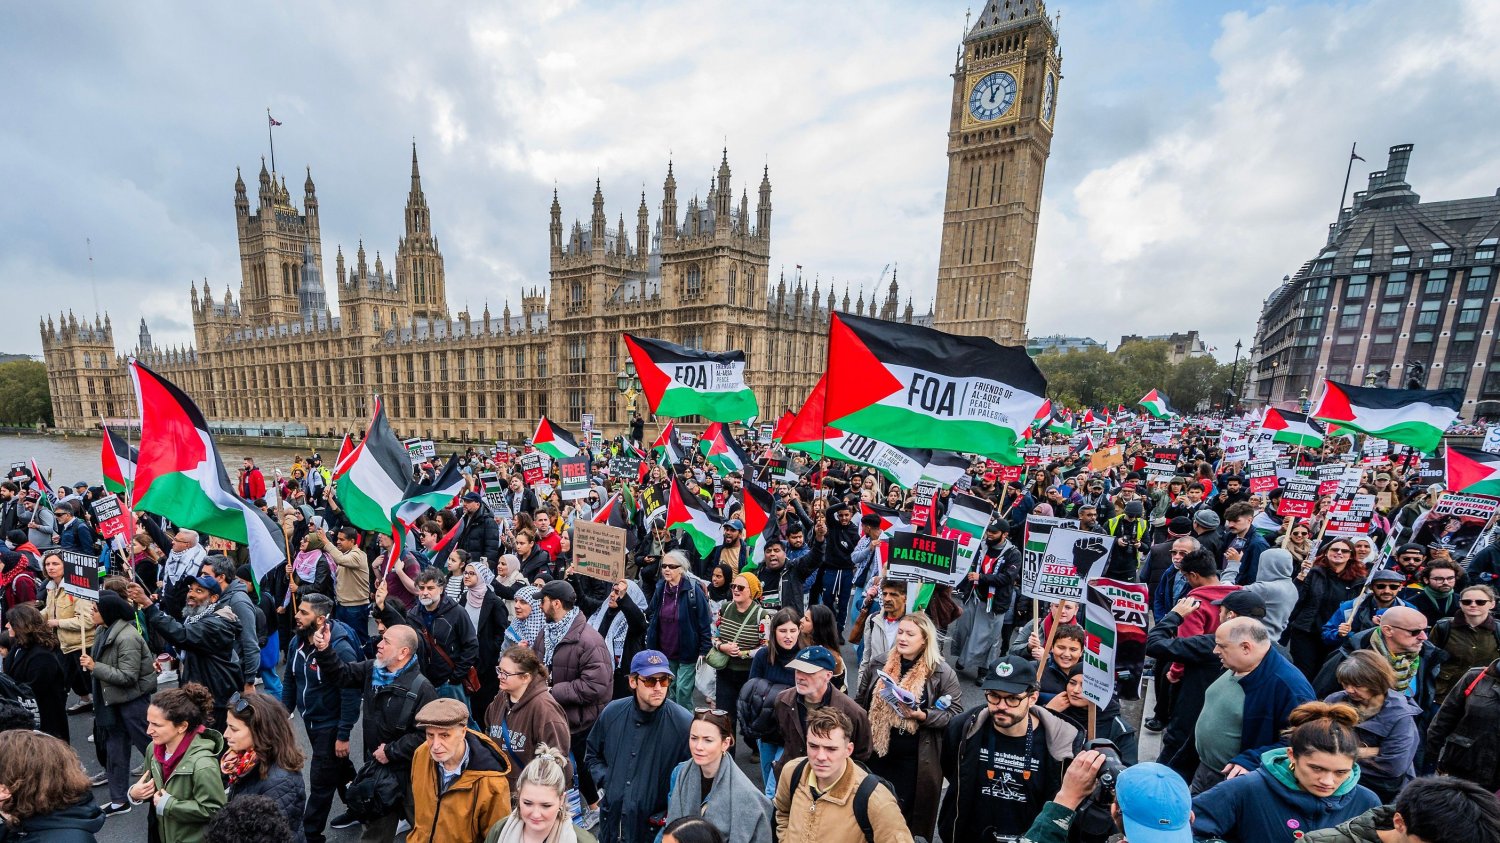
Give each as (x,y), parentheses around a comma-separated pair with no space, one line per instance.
(992,96)
(1049,96)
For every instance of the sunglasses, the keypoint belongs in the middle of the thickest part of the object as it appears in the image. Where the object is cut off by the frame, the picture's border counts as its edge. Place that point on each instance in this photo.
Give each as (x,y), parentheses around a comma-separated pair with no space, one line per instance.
(1421,630)
(654,681)
(1484,602)
(1387,587)
(238,703)
(1343,550)
(671,567)
(1299,534)
(717,712)
(739,588)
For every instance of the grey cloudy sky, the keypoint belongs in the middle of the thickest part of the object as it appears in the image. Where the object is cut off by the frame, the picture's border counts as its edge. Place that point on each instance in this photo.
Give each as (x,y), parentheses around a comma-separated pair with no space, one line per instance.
(1200,145)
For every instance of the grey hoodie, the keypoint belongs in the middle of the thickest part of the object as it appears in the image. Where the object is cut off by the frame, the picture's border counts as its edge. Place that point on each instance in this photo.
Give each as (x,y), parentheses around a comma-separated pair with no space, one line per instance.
(1274,584)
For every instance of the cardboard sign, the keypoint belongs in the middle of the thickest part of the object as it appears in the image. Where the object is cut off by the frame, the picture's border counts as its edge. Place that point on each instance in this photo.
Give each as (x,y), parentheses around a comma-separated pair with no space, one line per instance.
(1478,507)
(1105,458)
(1262,476)
(574,473)
(1071,556)
(1131,607)
(1299,499)
(112,521)
(599,551)
(81,575)
(917,556)
(924,503)
(532,472)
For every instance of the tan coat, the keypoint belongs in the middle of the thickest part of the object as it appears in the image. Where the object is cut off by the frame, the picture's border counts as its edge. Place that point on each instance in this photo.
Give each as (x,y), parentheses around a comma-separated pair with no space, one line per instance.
(352,585)
(477,800)
(832,820)
(69,612)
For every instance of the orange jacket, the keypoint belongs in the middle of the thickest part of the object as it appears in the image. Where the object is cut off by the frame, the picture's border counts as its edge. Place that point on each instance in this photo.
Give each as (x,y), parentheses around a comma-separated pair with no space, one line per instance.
(477,799)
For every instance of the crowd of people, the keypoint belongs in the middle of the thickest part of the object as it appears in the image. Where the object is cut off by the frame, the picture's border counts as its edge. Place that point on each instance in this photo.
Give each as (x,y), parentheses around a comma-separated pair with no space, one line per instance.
(473,683)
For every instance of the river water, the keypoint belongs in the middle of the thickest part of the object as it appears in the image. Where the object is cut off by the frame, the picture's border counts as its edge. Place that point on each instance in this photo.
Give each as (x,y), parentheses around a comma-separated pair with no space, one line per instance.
(77,457)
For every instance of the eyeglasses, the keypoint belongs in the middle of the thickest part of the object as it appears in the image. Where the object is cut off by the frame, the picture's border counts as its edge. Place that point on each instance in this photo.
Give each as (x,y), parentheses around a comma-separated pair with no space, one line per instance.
(717,712)
(506,674)
(238,703)
(1343,550)
(1483,602)
(1007,700)
(739,588)
(654,681)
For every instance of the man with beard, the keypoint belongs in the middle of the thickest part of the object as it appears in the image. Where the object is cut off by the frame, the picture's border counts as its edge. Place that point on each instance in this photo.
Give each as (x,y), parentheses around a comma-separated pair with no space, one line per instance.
(1095,497)
(1434,596)
(1004,760)
(206,639)
(1409,558)
(328,711)
(450,644)
(184,560)
(392,689)
(987,593)
(236,597)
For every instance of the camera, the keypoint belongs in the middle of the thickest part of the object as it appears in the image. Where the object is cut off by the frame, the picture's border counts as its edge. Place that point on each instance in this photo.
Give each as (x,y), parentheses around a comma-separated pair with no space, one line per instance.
(1109,774)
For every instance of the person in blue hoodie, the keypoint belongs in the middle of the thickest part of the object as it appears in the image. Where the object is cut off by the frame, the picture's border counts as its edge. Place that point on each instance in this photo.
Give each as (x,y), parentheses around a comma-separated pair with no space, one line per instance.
(1311,784)
(329,712)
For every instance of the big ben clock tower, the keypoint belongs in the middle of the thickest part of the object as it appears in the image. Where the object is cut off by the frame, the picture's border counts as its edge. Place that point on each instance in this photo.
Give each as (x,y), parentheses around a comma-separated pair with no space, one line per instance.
(1005,88)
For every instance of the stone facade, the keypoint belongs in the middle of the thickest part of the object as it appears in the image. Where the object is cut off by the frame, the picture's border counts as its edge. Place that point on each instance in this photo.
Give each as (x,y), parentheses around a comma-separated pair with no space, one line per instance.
(1005,86)
(275,358)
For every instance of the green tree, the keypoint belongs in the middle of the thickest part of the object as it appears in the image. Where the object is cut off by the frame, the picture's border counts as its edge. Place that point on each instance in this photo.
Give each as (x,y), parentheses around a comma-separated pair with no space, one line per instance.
(25,398)
(1097,378)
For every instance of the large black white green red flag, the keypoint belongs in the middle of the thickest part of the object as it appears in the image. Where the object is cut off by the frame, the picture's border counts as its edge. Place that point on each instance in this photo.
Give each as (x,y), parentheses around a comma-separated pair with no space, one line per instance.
(807,433)
(118,461)
(180,476)
(1473,471)
(1415,417)
(554,441)
(690,513)
(371,480)
(1155,402)
(917,387)
(1292,428)
(680,381)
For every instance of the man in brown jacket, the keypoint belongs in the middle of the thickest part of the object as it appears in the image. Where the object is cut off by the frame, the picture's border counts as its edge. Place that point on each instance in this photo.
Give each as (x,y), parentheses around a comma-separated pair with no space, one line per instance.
(820,806)
(458,778)
(814,690)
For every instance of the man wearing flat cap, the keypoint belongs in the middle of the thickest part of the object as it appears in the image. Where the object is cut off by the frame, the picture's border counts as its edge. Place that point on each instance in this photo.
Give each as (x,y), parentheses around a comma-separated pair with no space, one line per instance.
(458,777)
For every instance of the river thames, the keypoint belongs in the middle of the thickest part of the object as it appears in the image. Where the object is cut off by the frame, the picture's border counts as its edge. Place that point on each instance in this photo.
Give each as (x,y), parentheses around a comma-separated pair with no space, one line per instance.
(77,457)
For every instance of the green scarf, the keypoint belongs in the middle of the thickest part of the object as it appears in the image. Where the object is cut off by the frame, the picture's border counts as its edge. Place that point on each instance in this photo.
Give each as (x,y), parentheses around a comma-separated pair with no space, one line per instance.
(1405,665)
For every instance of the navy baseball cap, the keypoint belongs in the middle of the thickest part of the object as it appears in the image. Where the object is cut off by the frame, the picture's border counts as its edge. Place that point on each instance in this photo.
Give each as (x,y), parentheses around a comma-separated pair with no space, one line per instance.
(813,659)
(650,663)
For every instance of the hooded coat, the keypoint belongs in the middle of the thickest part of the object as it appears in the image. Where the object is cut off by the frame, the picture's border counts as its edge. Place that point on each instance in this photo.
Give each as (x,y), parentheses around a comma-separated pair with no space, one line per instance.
(280,785)
(519,727)
(1274,585)
(77,823)
(195,792)
(206,642)
(1394,731)
(735,805)
(583,672)
(1364,828)
(1266,804)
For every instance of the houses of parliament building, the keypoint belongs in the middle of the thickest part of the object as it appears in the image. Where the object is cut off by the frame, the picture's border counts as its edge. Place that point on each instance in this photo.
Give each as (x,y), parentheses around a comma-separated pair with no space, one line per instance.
(275,358)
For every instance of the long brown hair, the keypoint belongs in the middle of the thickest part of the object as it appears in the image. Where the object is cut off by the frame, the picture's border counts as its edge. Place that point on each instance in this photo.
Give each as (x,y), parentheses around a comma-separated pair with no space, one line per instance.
(1355,570)
(30,628)
(270,731)
(41,772)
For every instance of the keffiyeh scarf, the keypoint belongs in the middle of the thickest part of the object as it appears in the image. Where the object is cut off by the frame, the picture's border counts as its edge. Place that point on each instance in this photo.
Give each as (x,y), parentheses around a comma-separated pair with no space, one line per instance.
(555,630)
(614,636)
(1405,664)
(525,632)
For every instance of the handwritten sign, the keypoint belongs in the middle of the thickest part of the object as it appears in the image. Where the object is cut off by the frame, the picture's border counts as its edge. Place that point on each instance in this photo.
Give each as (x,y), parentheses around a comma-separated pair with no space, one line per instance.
(599,551)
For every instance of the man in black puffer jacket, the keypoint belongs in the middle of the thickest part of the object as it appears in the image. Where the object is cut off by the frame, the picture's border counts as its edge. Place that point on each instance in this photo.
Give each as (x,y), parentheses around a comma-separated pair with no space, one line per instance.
(481,532)
(449,643)
(205,638)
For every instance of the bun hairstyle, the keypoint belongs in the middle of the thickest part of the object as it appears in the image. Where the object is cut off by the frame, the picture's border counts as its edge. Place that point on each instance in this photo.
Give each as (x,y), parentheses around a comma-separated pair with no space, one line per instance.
(192,704)
(1323,727)
(547,770)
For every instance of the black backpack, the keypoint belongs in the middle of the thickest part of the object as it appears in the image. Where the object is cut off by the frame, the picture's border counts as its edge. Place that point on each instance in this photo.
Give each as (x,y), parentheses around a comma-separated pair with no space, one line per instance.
(861,796)
(19,693)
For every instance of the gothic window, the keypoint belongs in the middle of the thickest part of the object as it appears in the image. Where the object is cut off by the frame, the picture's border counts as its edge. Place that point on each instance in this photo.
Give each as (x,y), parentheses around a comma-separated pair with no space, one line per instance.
(85,360)
(733,275)
(575,292)
(577,356)
(541,362)
(575,405)
(520,362)
(750,287)
(541,404)
(614,355)
(694,280)
(614,406)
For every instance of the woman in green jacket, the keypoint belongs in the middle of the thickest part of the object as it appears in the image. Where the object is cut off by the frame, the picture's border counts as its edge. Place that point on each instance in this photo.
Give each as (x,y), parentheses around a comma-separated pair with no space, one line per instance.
(182,777)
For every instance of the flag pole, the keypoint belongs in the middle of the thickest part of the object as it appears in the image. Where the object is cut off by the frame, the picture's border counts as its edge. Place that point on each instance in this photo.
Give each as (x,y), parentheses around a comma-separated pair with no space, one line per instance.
(1347,172)
(270,124)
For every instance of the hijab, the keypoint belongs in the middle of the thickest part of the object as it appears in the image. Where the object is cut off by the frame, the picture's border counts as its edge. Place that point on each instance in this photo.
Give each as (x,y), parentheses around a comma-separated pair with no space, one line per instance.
(525,632)
(614,633)
(717,593)
(474,597)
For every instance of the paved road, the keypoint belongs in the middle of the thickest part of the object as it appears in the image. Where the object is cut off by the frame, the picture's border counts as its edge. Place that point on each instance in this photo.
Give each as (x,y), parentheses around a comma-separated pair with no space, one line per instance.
(132,826)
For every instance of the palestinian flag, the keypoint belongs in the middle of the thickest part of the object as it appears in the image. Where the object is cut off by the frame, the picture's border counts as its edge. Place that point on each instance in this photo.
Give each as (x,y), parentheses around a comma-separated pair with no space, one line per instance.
(945,467)
(1415,417)
(970,516)
(1088,417)
(1473,471)
(620,511)
(917,387)
(760,522)
(808,434)
(1292,428)
(40,484)
(679,381)
(724,453)
(118,460)
(372,479)
(437,493)
(667,449)
(444,548)
(692,515)
(782,425)
(554,441)
(1058,424)
(1088,444)
(891,520)
(180,476)
(1156,404)
(1098,647)
(345,449)
(705,442)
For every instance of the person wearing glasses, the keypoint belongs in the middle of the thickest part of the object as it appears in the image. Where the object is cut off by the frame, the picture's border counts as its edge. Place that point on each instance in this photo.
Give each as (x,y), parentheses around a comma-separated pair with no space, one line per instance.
(1471,638)
(1388,733)
(738,633)
(680,624)
(263,758)
(1364,611)
(632,750)
(1401,638)
(1297,540)
(709,784)
(525,715)
(1331,578)
(1004,760)
(1433,594)
(73,533)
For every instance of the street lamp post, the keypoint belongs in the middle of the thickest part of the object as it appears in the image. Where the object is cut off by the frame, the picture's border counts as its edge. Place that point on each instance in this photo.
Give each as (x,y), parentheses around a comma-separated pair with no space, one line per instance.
(628,383)
(1234,373)
(1304,400)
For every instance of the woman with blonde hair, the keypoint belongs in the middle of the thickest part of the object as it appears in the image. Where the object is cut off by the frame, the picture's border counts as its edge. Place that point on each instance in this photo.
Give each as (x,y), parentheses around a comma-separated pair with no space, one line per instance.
(541,805)
(907,739)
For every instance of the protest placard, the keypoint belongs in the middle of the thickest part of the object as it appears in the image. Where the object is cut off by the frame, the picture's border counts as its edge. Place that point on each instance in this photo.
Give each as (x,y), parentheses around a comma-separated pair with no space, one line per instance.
(1491,441)
(1031,456)
(1299,499)
(413,450)
(1106,458)
(112,521)
(925,500)
(1262,476)
(1038,530)
(1071,556)
(1009,473)
(80,575)
(1099,648)
(1328,475)
(1351,516)
(1131,606)
(1479,507)
(1160,472)
(574,477)
(585,422)
(917,556)
(599,551)
(531,468)
(1236,448)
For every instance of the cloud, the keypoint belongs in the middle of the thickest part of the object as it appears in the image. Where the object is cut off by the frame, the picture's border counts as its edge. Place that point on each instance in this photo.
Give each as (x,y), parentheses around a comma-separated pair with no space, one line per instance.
(1195,162)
